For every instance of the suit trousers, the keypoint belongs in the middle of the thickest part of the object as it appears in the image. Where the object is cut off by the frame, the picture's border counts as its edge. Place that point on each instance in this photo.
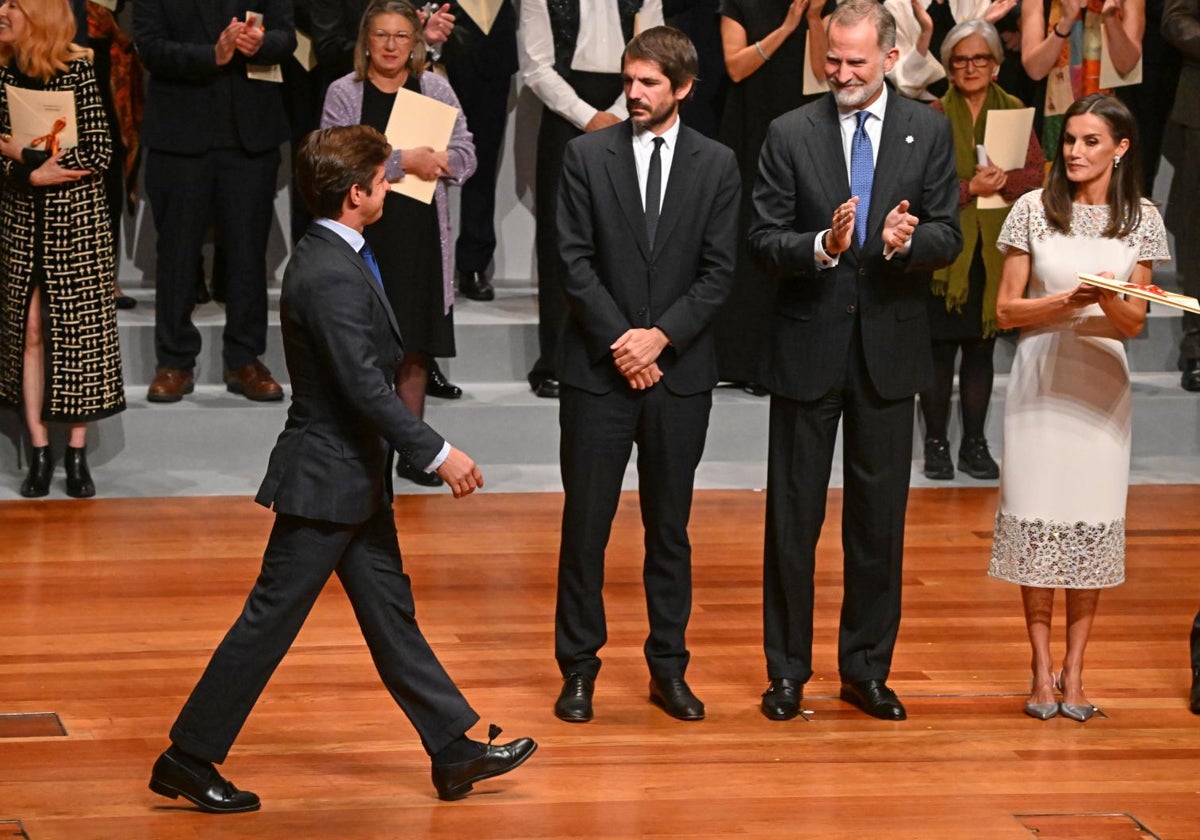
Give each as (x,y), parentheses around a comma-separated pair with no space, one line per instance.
(597,436)
(301,554)
(877,455)
(187,192)
(600,90)
(484,101)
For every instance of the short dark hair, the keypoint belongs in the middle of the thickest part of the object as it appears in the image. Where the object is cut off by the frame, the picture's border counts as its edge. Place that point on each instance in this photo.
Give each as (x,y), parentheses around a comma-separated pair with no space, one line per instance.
(332,160)
(670,49)
(1125,185)
(854,11)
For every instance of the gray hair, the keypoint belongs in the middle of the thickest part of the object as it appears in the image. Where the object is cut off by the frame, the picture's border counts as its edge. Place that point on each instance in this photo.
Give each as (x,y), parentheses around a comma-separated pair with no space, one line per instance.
(964,30)
(852,12)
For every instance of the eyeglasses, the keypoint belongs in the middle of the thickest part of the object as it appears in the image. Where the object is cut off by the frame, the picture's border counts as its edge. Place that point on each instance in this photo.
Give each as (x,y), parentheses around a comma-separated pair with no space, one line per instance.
(381,37)
(958,62)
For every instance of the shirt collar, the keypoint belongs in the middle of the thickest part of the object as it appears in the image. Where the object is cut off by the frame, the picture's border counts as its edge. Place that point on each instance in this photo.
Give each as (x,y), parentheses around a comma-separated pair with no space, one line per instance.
(645,138)
(876,108)
(352,237)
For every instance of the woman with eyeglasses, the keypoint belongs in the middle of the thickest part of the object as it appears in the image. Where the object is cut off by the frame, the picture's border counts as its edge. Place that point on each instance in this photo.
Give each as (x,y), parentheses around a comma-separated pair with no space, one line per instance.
(962,312)
(1068,409)
(411,242)
(60,358)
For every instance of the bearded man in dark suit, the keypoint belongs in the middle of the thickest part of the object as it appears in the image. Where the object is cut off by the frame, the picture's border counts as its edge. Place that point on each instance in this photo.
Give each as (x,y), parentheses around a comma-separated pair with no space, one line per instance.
(647,219)
(855,206)
(329,481)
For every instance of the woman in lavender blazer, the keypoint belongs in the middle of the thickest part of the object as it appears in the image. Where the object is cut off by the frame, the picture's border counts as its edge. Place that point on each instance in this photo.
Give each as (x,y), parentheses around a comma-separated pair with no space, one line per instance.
(412,241)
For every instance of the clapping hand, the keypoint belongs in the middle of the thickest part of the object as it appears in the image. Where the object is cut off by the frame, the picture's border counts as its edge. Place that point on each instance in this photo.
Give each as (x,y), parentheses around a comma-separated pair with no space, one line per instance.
(227,41)
(898,227)
(841,229)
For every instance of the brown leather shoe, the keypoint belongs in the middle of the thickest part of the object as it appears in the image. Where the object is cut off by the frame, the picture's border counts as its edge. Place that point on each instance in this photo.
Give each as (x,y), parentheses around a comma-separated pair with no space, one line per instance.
(170,384)
(254,382)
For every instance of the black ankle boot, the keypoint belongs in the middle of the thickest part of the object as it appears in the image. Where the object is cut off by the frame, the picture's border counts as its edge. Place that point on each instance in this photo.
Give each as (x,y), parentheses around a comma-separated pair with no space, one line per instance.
(41,468)
(938,465)
(79,479)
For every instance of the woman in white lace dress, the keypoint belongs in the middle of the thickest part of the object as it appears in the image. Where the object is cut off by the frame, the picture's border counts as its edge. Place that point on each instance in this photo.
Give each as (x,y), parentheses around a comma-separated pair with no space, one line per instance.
(1061,521)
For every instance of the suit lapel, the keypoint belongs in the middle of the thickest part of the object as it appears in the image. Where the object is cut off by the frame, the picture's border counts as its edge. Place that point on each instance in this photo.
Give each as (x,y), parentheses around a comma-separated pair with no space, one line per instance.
(828,155)
(680,184)
(895,148)
(622,173)
(364,273)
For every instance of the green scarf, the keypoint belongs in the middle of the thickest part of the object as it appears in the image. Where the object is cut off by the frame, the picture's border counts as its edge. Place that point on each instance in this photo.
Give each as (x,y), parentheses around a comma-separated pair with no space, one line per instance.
(953,282)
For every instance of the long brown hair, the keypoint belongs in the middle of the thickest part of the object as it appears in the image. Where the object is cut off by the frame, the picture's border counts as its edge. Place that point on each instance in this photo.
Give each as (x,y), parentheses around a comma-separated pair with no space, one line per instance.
(46,47)
(362,56)
(1125,185)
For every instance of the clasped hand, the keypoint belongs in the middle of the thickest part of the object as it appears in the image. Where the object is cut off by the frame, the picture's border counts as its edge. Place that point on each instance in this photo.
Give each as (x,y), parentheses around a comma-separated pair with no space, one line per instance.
(425,163)
(636,354)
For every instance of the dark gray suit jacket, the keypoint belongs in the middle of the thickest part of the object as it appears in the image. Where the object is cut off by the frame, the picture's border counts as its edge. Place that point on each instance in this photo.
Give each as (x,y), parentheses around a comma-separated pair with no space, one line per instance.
(333,459)
(1181,29)
(615,281)
(802,180)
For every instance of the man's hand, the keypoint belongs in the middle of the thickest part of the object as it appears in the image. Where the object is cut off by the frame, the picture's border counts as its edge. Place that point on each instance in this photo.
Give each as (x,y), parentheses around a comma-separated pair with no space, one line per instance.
(425,163)
(898,227)
(250,39)
(988,180)
(637,349)
(603,119)
(460,473)
(645,378)
(438,25)
(227,42)
(841,229)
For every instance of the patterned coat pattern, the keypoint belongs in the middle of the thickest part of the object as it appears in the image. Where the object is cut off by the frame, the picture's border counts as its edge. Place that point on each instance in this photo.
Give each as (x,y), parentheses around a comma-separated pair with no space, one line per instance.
(60,238)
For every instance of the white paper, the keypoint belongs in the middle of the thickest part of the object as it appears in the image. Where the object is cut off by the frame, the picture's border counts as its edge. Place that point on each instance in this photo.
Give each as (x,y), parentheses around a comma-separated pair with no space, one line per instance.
(262,72)
(483,12)
(1109,77)
(416,121)
(36,115)
(812,85)
(305,55)
(1007,142)
(111,5)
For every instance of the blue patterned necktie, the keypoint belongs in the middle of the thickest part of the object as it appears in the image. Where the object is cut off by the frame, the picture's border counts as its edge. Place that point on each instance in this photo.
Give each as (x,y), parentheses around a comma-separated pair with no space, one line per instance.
(369,258)
(862,175)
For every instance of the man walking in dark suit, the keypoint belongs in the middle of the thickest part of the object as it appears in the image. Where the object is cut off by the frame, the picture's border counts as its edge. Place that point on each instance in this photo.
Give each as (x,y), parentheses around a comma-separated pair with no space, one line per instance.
(213,134)
(855,206)
(647,219)
(329,483)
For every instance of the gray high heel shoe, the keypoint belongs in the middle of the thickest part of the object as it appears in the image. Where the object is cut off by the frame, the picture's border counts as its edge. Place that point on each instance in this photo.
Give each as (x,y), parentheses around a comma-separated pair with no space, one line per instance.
(1071,710)
(1041,711)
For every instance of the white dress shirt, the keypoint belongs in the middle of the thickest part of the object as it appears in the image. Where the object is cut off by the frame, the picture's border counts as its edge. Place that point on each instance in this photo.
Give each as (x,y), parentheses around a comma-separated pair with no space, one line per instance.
(356,241)
(598,49)
(643,148)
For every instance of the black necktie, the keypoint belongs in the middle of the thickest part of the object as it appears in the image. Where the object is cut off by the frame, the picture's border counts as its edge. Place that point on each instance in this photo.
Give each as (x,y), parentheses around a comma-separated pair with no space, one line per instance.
(653,189)
(369,258)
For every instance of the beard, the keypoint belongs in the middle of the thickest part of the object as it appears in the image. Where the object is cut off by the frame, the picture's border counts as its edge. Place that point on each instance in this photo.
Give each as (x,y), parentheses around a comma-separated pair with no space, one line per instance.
(854,95)
(655,117)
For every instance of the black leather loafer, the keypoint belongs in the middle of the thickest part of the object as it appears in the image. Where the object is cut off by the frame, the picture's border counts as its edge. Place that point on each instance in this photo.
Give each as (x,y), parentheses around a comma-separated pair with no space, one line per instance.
(673,696)
(547,389)
(574,703)
(874,698)
(475,286)
(206,789)
(781,700)
(454,781)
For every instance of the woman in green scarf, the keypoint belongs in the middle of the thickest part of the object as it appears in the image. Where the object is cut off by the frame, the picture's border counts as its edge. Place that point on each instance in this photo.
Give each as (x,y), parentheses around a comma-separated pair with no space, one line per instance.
(963,301)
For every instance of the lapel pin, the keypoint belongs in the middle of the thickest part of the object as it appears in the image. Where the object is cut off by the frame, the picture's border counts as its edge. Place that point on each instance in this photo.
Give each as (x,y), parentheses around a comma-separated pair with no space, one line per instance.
(908,139)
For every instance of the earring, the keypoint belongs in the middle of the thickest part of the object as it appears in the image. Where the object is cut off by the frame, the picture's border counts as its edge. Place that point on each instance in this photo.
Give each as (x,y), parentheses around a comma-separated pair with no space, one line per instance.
(1116,161)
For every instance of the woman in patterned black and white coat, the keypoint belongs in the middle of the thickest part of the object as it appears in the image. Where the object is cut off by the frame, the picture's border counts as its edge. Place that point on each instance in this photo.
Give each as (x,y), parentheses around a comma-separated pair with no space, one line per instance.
(59,354)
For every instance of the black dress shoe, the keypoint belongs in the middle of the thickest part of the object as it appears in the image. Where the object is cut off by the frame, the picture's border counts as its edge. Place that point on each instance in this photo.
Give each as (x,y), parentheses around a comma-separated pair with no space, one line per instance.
(205,788)
(437,385)
(417,476)
(454,781)
(475,286)
(975,460)
(938,465)
(126,302)
(874,698)
(1194,704)
(1190,381)
(754,389)
(79,478)
(574,703)
(673,696)
(781,700)
(547,388)
(41,470)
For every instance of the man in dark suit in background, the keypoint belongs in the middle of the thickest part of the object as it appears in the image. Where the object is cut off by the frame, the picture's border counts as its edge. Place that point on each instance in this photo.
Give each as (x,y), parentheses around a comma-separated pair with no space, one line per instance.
(212,134)
(636,357)
(329,481)
(855,206)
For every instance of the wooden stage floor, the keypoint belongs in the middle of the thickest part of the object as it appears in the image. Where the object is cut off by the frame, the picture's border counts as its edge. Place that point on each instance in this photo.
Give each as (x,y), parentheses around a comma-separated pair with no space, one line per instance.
(109,610)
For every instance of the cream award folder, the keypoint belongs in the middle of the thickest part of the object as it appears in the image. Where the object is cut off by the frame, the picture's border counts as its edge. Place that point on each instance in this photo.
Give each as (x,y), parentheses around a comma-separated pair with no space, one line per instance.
(418,120)
(1007,142)
(42,119)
